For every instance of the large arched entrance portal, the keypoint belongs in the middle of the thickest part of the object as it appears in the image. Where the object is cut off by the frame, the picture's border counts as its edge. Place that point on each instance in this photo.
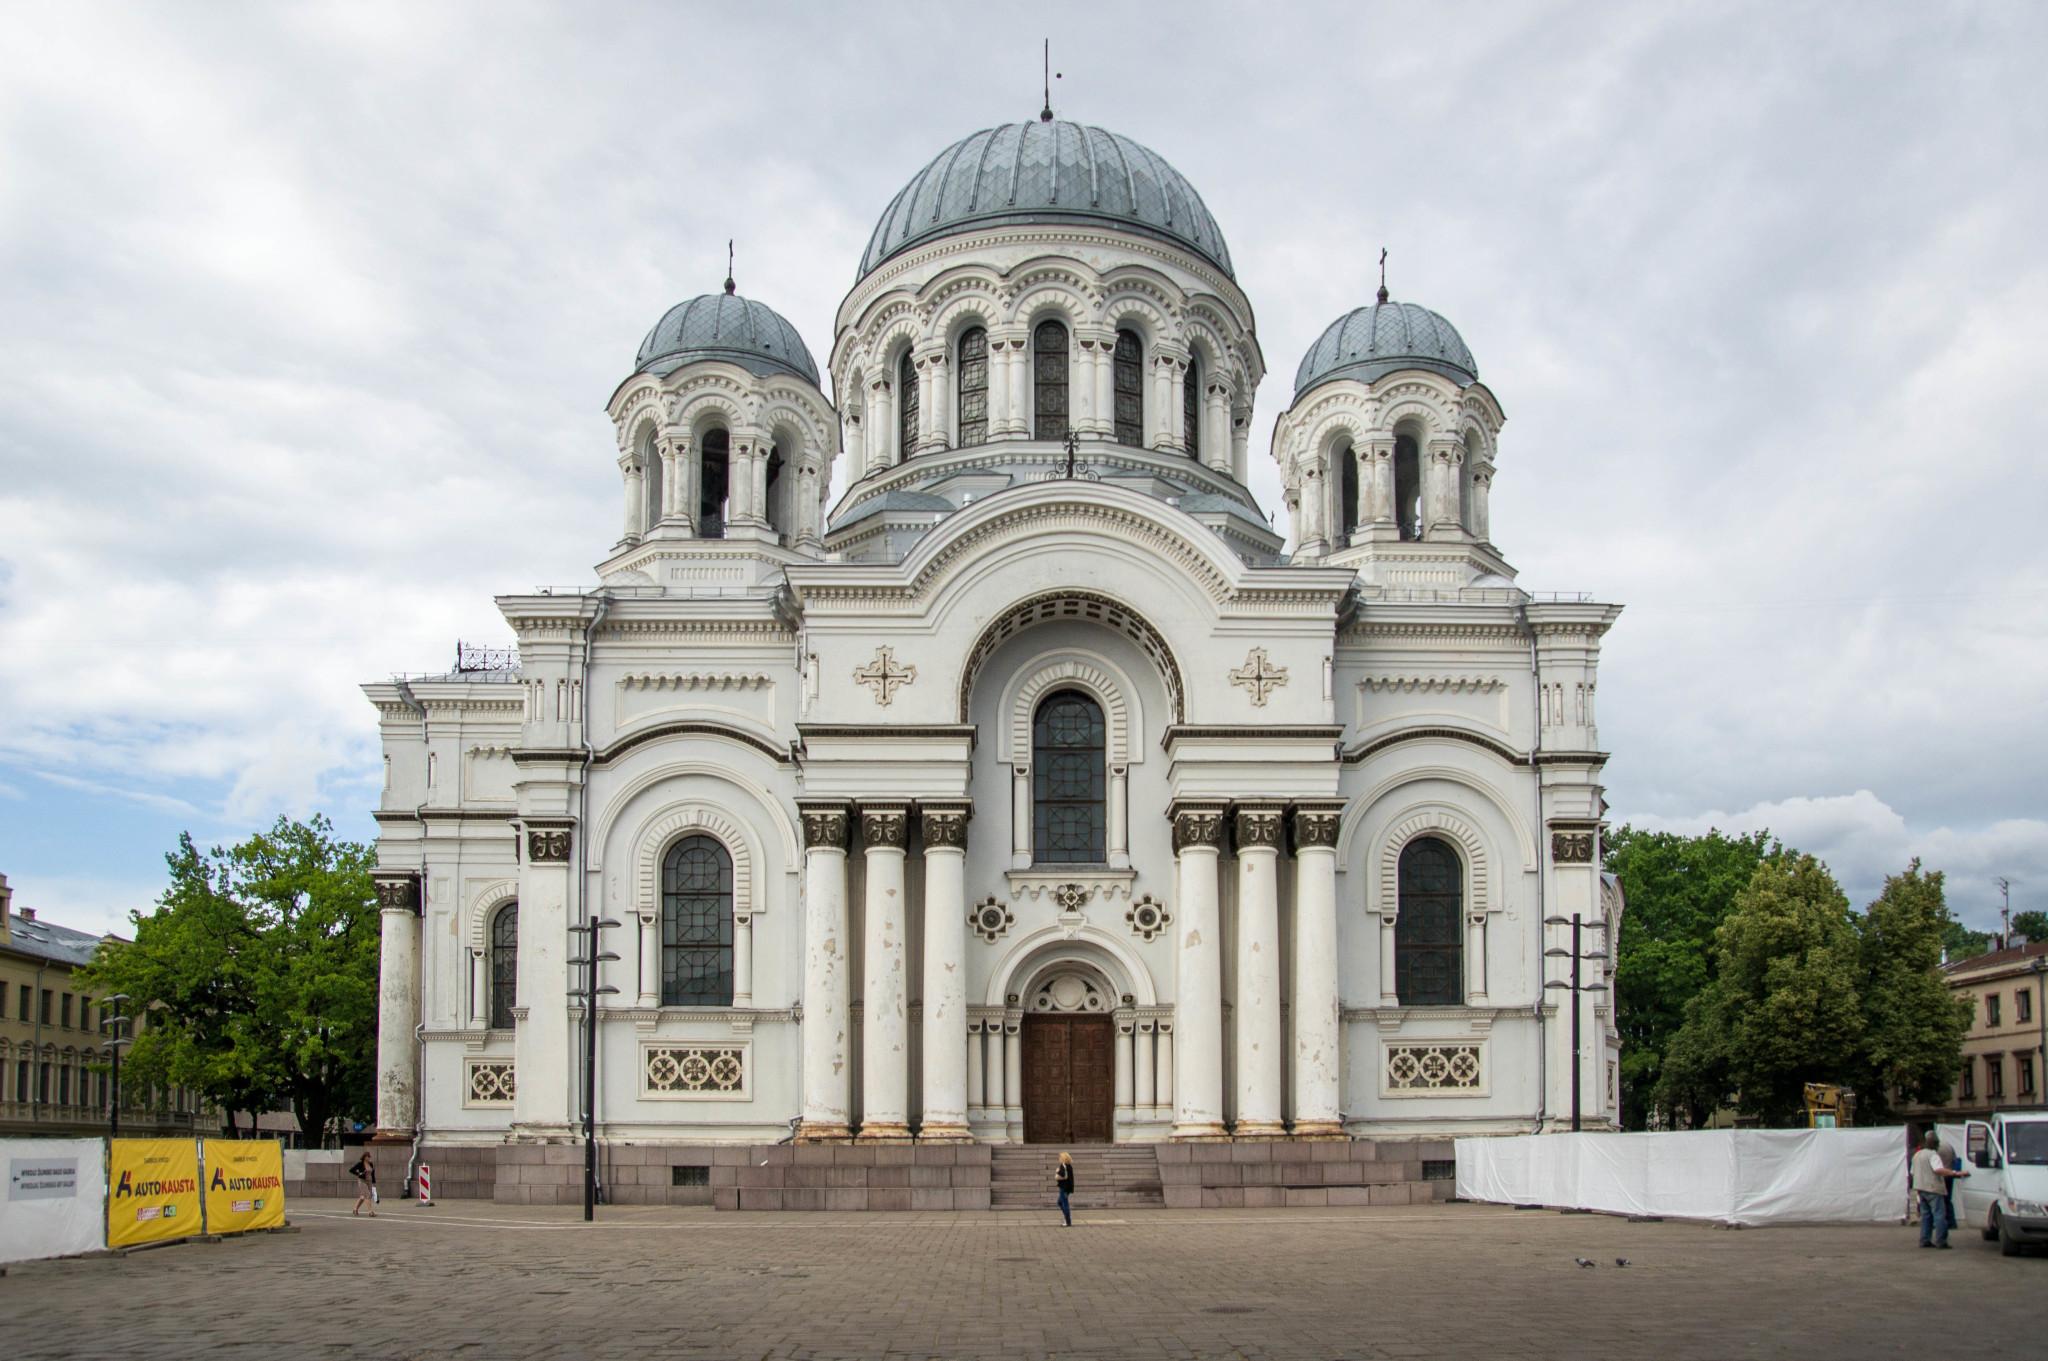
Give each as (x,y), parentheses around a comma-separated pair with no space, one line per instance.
(1069,1065)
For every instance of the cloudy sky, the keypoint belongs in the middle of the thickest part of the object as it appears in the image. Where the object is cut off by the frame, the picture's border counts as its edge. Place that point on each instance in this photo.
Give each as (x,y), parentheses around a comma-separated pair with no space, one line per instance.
(308,315)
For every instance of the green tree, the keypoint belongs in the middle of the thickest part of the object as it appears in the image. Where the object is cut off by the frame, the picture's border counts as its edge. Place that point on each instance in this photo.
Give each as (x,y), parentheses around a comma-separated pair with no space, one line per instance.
(2033,925)
(1913,1026)
(258,974)
(1782,1009)
(1679,890)
(1960,942)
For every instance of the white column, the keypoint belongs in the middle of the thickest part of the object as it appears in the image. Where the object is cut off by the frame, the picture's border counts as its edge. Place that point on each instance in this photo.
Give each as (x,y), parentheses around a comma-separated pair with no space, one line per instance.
(671,479)
(1475,957)
(1216,449)
(650,958)
(1177,409)
(997,1094)
(1126,1068)
(884,993)
(1240,444)
(743,959)
(1382,482)
(854,433)
(1020,816)
(946,1087)
(1440,507)
(1144,1095)
(1482,488)
(479,988)
(1158,411)
(1105,388)
(1162,1073)
(633,494)
(543,1046)
(1118,816)
(828,1054)
(977,1089)
(1197,846)
(398,1004)
(1013,1071)
(1314,518)
(1257,1010)
(1318,1022)
(1388,994)
(1081,386)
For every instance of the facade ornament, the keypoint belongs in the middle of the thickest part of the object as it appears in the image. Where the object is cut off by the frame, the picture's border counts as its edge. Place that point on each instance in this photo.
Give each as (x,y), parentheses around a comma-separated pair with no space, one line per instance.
(399,893)
(1197,827)
(1148,918)
(1071,897)
(548,845)
(1259,675)
(825,828)
(884,828)
(1571,848)
(1258,827)
(990,919)
(1317,826)
(883,675)
(945,828)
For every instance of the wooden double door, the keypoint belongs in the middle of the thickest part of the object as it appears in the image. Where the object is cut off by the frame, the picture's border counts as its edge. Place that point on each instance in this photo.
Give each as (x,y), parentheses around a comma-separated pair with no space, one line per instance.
(1069,1080)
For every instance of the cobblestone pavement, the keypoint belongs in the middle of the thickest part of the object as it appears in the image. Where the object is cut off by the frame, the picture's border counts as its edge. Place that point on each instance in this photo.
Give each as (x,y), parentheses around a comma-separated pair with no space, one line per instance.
(477,1281)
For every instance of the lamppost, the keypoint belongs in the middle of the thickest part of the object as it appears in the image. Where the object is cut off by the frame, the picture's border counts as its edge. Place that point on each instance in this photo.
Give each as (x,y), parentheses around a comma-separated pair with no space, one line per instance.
(1574,987)
(593,944)
(116,1042)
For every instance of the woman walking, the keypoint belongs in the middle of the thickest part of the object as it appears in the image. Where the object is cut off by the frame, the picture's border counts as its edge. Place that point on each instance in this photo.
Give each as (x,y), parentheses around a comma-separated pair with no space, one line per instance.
(365,1173)
(1065,1177)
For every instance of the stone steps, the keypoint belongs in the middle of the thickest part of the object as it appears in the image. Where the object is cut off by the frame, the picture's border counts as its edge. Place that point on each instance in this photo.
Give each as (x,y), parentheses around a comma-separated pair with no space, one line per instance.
(1120,1176)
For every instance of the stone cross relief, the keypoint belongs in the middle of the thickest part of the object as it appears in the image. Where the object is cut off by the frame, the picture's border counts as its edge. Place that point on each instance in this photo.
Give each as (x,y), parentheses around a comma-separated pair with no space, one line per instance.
(1259,675)
(884,675)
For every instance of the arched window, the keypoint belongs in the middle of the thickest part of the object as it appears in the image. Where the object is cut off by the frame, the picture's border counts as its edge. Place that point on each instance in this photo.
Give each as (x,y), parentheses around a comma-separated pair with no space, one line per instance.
(650,481)
(1428,961)
(973,387)
(1049,381)
(504,975)
(1408,487)
(1191,405)
(1465,480)
(714,461)
(772,490)
(1069,815)
(1130,389)
(696,924)
(906,407)
(1347,491)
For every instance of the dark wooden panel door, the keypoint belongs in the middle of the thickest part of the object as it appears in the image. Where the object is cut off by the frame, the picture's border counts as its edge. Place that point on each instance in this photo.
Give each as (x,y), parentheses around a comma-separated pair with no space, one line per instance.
(1046,1080)
(1069,1079)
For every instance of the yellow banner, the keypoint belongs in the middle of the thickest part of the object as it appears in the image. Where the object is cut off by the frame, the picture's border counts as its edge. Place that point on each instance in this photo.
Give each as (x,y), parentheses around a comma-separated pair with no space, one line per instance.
(244,1184)
(152,1190)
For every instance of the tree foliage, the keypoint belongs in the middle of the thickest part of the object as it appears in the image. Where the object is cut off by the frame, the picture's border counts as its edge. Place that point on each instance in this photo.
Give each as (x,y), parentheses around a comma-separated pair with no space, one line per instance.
(258,974)
(1913,1025)
(1679,890)
(2033,925)
(1960,942)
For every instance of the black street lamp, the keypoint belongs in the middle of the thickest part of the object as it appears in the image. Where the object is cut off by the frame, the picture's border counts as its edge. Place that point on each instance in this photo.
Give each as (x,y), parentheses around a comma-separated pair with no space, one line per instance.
(116,1042)
(590,992)
(1574,987)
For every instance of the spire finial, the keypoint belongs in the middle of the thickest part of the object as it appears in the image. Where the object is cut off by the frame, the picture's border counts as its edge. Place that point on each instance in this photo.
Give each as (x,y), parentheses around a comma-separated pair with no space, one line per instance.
(1383,273)
(1045,114)
(729,285)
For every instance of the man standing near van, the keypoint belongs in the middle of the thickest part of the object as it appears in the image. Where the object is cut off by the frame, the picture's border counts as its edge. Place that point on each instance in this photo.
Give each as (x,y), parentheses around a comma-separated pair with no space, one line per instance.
(1932,1177)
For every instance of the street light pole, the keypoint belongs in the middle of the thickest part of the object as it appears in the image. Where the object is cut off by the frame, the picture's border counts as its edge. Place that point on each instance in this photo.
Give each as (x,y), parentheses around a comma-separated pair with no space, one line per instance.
(1574,987)
(116,1042)
(592,931)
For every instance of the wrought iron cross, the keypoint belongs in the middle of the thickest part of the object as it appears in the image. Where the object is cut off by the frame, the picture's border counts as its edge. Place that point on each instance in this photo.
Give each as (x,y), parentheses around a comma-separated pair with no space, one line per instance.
(1259,675)
(883,675)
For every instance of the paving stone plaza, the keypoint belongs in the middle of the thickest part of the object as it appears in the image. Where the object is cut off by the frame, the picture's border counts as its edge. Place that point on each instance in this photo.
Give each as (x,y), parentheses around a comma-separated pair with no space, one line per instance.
(480,1280)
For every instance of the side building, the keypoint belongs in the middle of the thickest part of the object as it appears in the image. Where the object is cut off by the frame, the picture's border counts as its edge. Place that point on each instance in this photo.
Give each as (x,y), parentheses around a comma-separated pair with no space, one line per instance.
(2005,1052)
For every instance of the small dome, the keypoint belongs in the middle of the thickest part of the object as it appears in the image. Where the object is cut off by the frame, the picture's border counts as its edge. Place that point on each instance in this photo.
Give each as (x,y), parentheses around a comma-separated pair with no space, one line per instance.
(1046,172)
(729,327)
(1377,340)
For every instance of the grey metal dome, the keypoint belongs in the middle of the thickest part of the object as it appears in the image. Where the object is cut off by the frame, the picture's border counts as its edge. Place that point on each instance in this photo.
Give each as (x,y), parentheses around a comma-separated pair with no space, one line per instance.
(1377,340)
(729,327)
(1046,172)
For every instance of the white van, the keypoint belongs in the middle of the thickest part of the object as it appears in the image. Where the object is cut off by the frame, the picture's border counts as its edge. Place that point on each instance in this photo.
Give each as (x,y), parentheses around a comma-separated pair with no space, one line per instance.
(2006,1195)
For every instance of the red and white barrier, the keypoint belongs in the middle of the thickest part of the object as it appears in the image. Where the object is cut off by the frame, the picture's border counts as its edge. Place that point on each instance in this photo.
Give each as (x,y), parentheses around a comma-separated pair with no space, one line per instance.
(425,1193)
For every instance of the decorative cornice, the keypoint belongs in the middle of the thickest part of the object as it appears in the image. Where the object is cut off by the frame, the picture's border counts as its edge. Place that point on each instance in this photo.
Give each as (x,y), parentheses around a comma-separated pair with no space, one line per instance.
(1379,744)
(690,728)
(1179,732)
(1591,759)
(532,756)
(886,732)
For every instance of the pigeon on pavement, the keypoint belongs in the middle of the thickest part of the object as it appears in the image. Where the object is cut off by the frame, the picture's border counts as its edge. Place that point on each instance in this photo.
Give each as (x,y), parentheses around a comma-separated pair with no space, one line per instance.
(1585,1263)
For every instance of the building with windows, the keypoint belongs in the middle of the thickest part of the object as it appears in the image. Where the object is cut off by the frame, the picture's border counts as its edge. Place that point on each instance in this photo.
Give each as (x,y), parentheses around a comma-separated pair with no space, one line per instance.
(1028,790)
(2005,1051)
(55,1063)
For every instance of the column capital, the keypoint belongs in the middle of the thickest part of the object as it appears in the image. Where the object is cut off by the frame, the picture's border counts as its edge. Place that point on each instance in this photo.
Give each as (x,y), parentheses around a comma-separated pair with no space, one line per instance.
(884,826)
(1317,824)
(548,843)
(398,891)
(1196,825)
(1258,826)
(825,825)
(945,825)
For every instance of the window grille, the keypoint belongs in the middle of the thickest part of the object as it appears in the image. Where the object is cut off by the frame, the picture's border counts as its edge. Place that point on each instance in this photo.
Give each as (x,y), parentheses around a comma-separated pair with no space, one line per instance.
(1049,381)
(694,1070)
(973,387)
(713,471)
(696,924)
(906,406)
(1433,1069)
(504,971)
(1069,796)
(689,1176)
(1191,406)
(1427,957)
(1129,369)
(491,1083)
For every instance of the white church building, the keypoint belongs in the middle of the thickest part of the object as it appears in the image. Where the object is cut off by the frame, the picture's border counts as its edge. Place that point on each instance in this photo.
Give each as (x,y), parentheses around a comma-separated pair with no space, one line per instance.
(1029,791)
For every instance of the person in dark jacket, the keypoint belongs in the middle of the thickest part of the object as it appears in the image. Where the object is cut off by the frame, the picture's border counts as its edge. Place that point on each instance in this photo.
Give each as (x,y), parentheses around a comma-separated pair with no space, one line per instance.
(1065,1178)
(365,1173)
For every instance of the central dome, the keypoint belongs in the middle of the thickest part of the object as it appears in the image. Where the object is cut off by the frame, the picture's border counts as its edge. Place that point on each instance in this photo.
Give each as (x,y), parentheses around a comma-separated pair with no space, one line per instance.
(1046,172)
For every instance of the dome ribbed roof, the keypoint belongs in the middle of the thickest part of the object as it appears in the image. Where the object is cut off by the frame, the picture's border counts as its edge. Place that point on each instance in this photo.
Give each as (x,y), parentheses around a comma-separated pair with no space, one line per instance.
(729,327)
(1377,340)
(1046,172)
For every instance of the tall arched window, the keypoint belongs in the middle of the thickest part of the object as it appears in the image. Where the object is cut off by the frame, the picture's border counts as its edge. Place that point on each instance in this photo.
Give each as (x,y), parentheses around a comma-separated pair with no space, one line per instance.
(1130,389)
(972,389)
(1465,467)
(1069,781)
(1408,487)
(1428,961)
(1191,405)
(772,490)
(504,979)
(714,461)
(1049,381)
(696,924)
(1347,491)
(906,407)
(650,480)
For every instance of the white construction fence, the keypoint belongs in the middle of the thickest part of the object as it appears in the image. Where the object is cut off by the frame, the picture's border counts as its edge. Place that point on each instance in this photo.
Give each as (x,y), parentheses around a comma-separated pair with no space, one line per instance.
(1733,1176)
(56,1198)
